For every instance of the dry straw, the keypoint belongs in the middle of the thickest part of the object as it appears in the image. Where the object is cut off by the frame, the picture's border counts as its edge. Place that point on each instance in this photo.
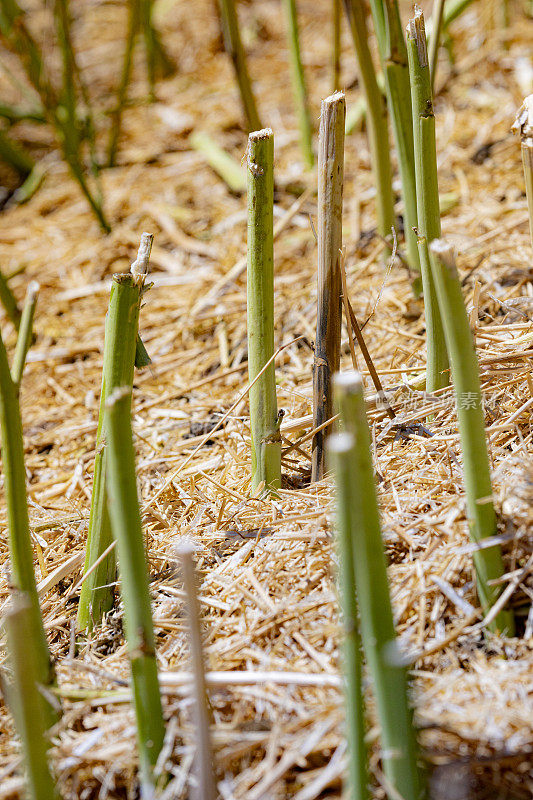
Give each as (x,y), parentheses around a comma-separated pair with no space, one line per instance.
(329,309)
(264,420)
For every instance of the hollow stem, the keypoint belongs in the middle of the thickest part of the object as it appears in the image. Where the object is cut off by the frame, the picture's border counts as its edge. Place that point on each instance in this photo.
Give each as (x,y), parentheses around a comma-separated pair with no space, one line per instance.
(376,116)
(427,194)
(127,530)
(122,323)
(469,403)
(235,50)
(329,290)
(389,679)
(264,421)
(298,81)
(340,455)
(29,708)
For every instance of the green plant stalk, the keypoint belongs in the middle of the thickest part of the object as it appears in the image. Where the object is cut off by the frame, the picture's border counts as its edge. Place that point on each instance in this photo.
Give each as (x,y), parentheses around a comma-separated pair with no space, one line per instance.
(527,160)
(427,194)
(393,55)
(336,49)
(25,332)
(122,325)
(7,298)
(16,35)
(127,530)
(157,61)
(15,114)
(298,82)
(228,168)
(22,576)
(329,304)
(26,701)
(469,402)
(389,679)
(340,455)
(14,155)
(264,421)
(235,50)
(376,116)
(134,21)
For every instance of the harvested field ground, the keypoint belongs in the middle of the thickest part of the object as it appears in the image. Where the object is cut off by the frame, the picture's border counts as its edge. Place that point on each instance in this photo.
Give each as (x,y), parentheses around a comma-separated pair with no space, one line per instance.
(268,567)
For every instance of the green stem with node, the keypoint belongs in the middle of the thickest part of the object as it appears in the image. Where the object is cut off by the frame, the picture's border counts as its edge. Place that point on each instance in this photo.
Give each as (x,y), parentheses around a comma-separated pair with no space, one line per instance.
(389,678)
(298,81)
(126,526)
(469,401)
(22,575)
(235,50)
(427,193)
(122,325)
(376,116)
(28,706)
(340,454)
(393,55)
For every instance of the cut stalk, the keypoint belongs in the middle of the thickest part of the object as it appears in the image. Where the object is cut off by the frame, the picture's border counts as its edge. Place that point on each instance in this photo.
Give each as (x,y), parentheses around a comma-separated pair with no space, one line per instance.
(264,420)
(27,703)
(298,82)
(376,116)
(469,402)
(523,125)
(235,50)
(427,194)
(206,788)
(393,54)
(127,530)
(22,576)
(329,291)
(122,323)
(25,332)
(398,740)
(340,453)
